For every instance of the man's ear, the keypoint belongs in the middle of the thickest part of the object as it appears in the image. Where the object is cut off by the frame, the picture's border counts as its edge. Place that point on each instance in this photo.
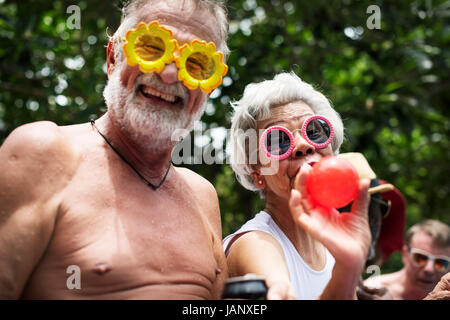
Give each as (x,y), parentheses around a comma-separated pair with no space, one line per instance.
(404,249)
(404,254)
(258,179)
(110,61)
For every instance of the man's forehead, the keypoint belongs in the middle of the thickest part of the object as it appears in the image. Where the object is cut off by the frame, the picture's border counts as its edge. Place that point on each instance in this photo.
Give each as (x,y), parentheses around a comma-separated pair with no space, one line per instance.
(183,15)
(422,240)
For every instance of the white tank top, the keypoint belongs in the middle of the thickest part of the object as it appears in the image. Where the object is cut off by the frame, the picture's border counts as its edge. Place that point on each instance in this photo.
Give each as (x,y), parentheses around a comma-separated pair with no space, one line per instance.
(308,283)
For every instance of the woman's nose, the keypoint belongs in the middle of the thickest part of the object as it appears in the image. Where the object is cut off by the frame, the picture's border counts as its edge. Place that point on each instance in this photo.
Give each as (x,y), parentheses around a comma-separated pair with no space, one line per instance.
(169,74)
(301,146)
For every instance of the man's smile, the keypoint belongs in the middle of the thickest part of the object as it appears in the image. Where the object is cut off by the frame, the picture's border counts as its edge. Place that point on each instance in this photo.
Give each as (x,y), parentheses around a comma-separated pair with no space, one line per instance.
(159,97)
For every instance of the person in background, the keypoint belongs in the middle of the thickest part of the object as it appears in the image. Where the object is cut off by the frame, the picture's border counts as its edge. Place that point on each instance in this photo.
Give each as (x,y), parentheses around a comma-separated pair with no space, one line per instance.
(426,258)
(387,218)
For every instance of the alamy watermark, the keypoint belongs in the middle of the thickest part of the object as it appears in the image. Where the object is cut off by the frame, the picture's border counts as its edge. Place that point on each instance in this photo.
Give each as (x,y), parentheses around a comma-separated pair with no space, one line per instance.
(74,280)
(188,152)
(374,20)
(376,272)
(74,20)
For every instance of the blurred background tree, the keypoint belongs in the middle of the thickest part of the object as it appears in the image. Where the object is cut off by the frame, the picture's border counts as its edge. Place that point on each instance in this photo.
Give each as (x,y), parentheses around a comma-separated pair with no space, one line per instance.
(390,85)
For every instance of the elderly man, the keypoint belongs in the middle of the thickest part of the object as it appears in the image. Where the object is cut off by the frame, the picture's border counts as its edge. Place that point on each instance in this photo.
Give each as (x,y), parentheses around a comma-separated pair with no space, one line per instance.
(426,258)
(97,210)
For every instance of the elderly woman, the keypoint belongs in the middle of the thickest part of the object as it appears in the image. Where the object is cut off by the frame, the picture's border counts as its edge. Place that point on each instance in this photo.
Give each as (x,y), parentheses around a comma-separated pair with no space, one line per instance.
(303,250)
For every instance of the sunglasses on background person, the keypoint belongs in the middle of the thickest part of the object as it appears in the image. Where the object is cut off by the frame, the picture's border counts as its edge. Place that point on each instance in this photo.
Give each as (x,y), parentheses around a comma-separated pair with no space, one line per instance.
(278,142)
(421,258)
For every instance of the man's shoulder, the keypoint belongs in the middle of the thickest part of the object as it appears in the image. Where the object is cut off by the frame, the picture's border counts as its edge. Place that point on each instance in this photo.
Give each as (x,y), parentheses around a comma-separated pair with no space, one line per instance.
(204,193)
(384,280)
(38,146)
(197,182)
(35,136)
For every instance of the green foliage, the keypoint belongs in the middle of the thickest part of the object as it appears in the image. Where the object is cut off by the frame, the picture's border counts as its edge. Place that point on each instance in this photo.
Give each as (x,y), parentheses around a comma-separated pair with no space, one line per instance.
(391,86)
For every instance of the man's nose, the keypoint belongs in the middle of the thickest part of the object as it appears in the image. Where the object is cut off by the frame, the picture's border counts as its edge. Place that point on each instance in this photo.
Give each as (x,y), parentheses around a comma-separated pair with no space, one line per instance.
(429,266)
(169,74)
(301,146)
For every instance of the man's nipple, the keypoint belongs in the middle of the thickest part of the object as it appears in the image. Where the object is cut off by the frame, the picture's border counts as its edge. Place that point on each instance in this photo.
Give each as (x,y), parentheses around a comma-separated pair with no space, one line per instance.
(101,268)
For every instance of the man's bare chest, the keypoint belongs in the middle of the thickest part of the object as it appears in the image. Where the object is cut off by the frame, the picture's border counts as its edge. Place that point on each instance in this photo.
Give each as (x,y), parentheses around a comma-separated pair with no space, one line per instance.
(124,237)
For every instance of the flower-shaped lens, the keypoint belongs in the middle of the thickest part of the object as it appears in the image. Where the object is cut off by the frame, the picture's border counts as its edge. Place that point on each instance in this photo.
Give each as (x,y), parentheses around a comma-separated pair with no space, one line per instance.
(200,64)
(150,47)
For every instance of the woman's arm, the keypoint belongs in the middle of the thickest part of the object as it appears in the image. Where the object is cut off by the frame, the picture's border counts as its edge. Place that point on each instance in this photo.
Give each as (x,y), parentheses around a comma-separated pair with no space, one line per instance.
(259,253)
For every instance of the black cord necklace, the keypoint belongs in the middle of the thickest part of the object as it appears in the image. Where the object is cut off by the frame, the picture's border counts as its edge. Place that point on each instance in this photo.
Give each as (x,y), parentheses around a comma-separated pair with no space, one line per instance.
(151,185)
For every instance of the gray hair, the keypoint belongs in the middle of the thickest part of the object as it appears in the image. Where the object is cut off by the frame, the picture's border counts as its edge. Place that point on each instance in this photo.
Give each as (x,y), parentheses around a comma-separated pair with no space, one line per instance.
(256,104)
(437,230)
(130,20)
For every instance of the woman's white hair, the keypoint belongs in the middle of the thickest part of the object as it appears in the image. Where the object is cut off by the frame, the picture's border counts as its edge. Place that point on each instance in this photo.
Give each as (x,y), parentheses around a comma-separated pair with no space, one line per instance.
(256,104)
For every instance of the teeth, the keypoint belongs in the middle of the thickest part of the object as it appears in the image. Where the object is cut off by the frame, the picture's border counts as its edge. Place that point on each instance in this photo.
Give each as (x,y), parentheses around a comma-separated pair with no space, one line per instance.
(165,96)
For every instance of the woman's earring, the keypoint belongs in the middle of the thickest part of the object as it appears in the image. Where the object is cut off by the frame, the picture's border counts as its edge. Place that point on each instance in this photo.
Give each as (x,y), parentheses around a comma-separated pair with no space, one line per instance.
(260,181)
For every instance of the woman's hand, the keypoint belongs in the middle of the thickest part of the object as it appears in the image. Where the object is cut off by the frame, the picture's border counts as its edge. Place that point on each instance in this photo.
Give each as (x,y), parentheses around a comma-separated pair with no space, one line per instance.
(345,235)
(279,289)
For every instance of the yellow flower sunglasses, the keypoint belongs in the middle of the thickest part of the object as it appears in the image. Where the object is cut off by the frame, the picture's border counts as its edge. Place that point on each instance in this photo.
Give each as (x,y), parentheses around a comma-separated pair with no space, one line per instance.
(152,47)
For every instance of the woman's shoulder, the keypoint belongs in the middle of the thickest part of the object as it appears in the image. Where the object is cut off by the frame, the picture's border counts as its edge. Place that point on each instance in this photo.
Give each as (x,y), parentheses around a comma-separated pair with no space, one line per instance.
(261,223)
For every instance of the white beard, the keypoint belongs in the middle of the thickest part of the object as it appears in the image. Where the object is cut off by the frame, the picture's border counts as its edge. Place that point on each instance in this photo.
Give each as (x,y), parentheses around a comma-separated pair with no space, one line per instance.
(150,127)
